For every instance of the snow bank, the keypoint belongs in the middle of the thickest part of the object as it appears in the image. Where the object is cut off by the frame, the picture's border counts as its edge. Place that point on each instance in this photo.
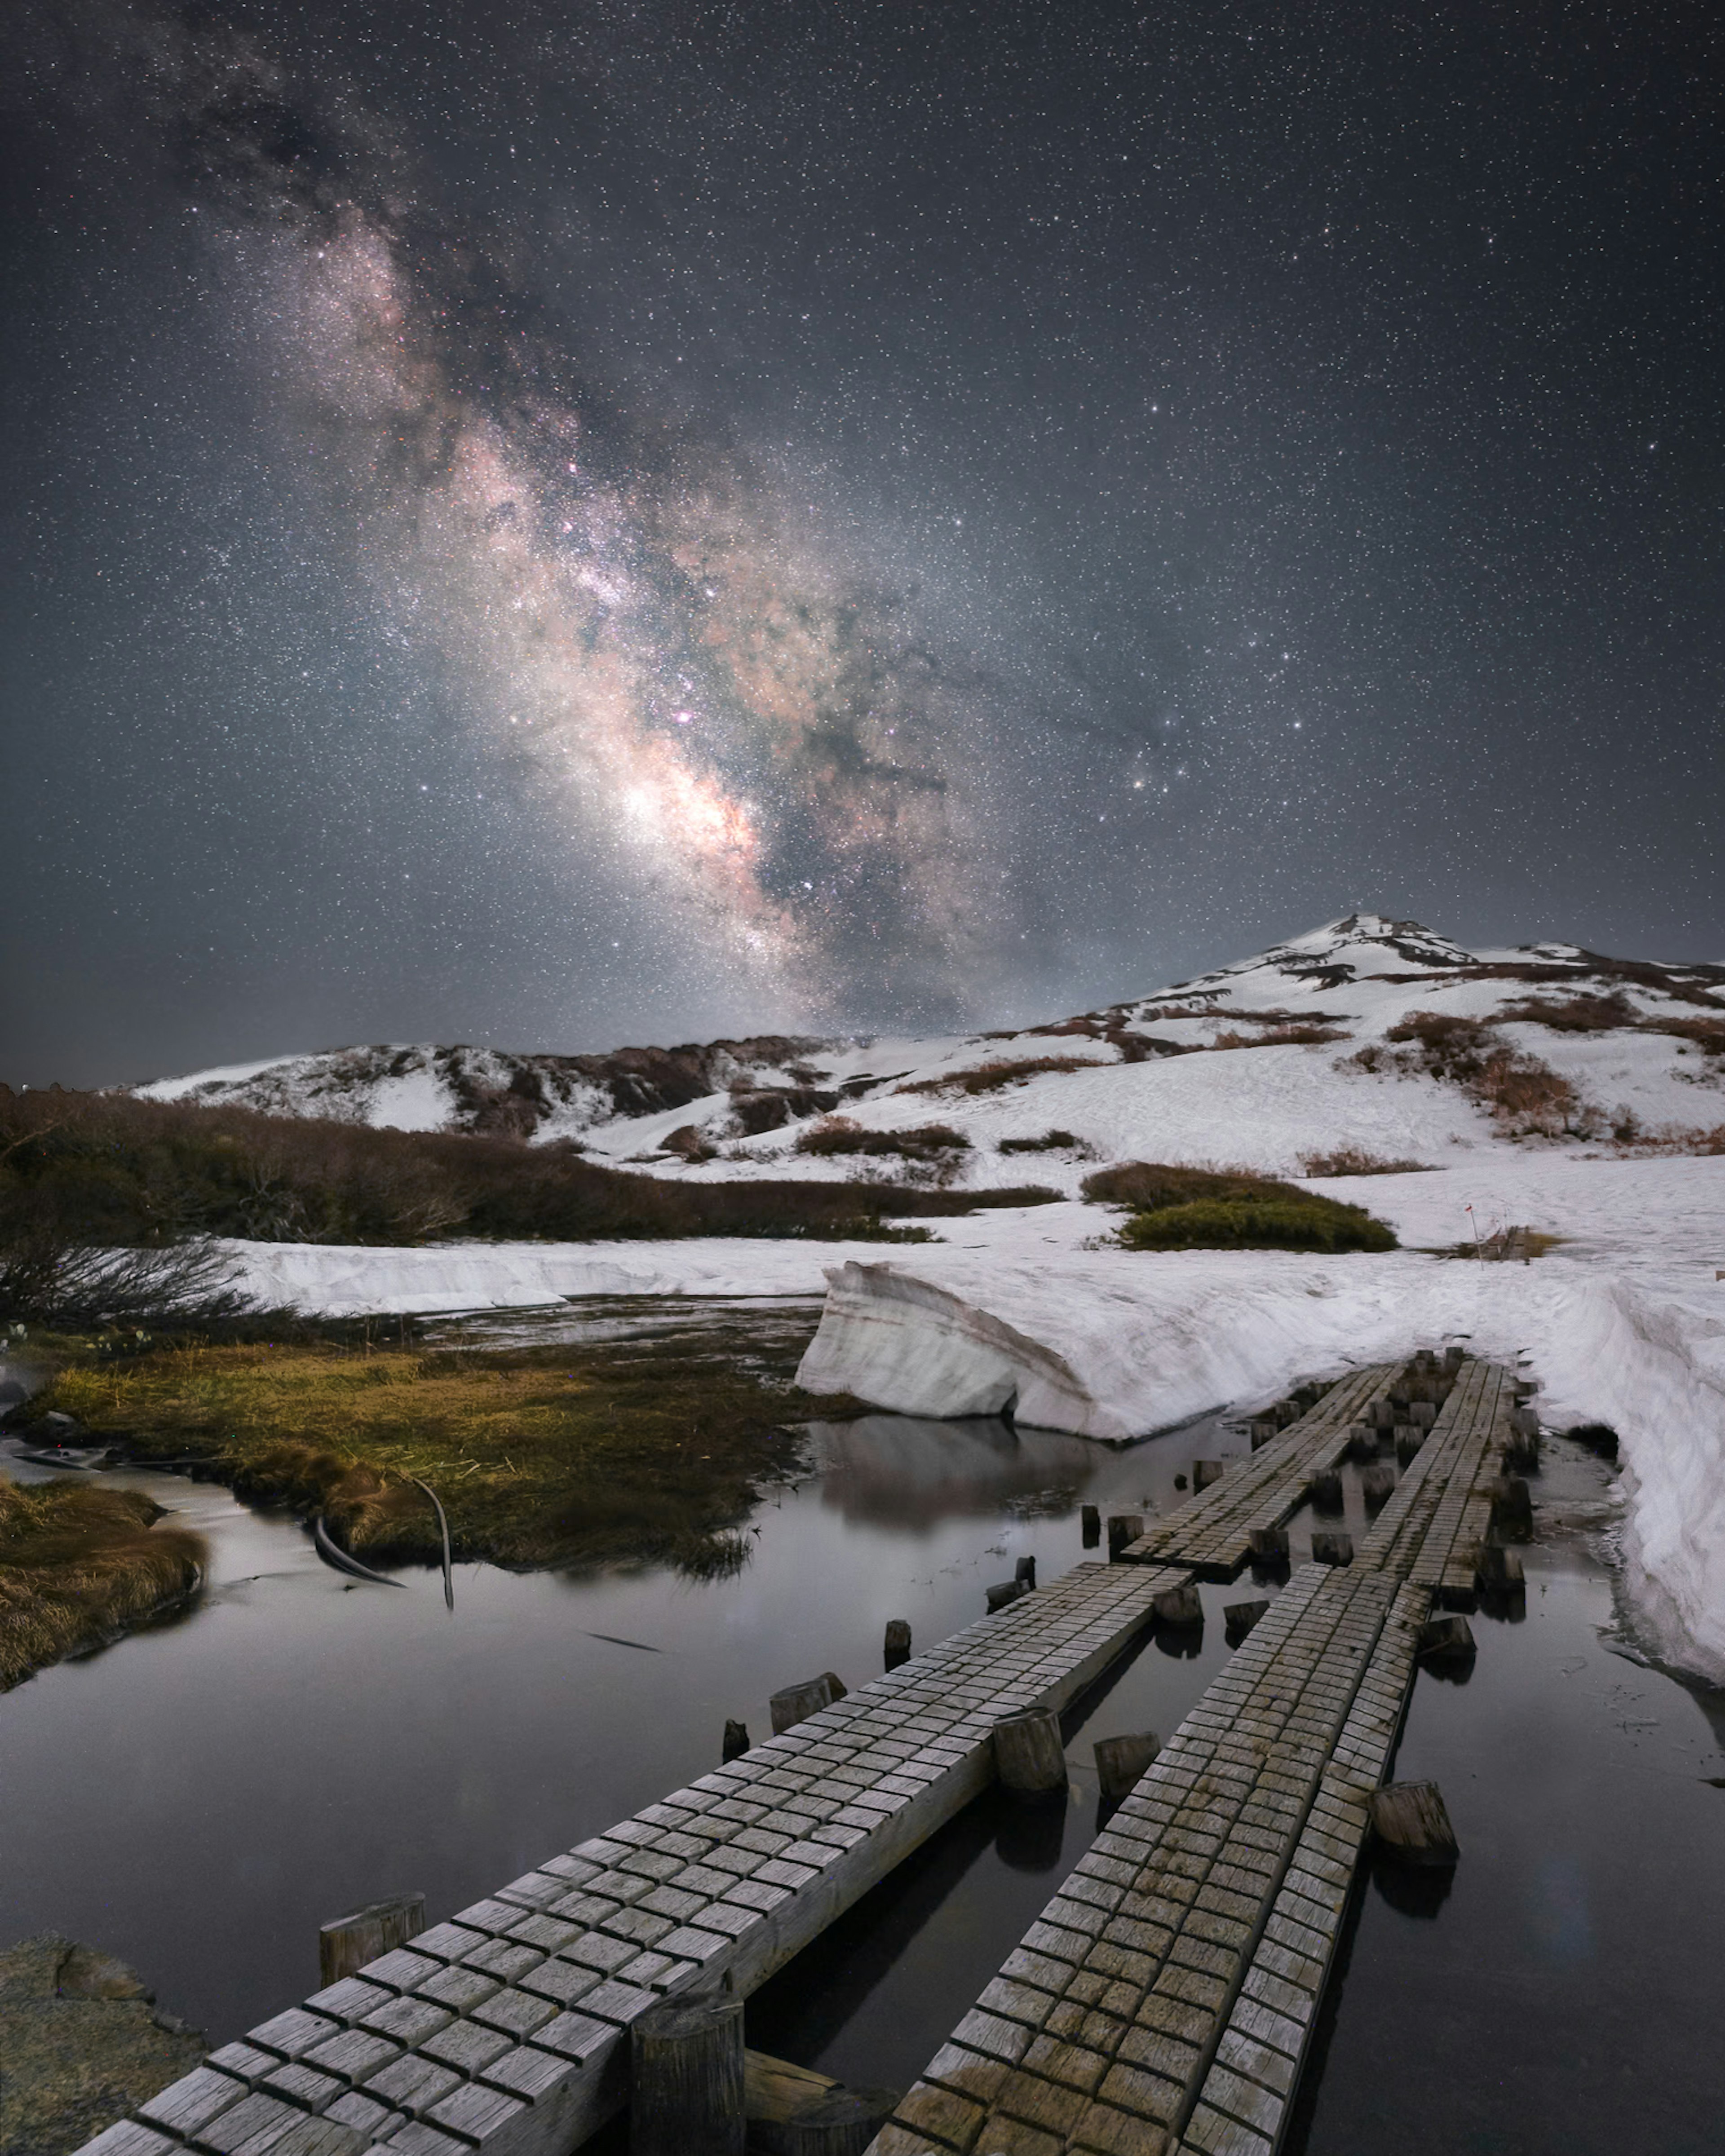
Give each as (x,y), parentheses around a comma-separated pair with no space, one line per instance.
(1627,1328)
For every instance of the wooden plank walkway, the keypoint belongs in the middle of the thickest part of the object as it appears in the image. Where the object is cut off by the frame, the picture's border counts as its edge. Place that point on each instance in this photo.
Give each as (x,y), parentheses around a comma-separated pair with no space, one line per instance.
(1165,1999)
(1212,1532)
(1436,1522)
(1176,1975)
(505,2030)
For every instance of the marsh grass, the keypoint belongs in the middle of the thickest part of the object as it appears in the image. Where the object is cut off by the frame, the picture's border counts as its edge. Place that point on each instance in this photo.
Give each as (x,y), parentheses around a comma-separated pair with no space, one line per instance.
(542,1454)
(80,1564)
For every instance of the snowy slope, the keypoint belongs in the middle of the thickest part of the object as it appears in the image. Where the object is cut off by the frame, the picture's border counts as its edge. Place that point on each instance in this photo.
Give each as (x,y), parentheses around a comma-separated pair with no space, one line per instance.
(1545,1086)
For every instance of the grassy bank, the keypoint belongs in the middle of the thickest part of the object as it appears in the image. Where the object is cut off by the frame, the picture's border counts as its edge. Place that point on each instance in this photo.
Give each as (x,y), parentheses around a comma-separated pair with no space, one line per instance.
(78,1565)
(541,1454)
(1191,1208)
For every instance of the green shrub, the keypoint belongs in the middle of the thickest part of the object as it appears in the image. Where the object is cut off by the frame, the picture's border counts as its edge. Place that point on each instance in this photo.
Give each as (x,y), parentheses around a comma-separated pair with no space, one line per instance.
(1277,1220)
(1146,1185)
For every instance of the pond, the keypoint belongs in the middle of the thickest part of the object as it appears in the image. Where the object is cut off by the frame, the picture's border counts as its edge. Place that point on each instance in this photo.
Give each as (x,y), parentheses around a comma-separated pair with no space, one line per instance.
(198,1798)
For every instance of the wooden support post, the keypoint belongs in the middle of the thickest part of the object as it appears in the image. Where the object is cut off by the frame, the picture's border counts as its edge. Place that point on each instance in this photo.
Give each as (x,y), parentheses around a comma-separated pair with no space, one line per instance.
(1178,1606)
(797,1702)
(1121,1762)
(1330,1546)
(1409,1439)
(1269,1545)
(1091,1523)
(1512,1508)
(1325,1492)
(1124,1529)
(1029,1753)
(1204,1472)
(1263,1427)
(1003,1592)
(1453,1357)
(686,2078)
(897,1647)
(1410,1820)
(737,1741)
(1377,1484)
(1361,1442)
(349,1943)
(1500,1567)
(1446,1642)
(792,2111)
(1239,1617)
(1025,1570)
(1423,1413)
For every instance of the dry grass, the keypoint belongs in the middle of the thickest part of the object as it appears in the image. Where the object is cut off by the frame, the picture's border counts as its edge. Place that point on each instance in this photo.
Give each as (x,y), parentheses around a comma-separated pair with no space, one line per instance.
(1355,1160)
(78,1565)
(541,1456)
(1528,1096)
(840,1134)
(990,1077)
(1280,1036)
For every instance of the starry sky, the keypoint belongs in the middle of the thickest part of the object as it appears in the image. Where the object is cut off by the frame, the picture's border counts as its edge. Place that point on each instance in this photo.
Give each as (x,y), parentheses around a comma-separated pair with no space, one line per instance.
(576,523)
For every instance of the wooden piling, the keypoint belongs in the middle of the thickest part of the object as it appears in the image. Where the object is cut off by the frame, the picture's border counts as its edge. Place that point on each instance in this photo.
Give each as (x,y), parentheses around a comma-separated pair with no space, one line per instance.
(1238,1618)
(1124,1529)
(797,1702)
(1325,1492)
(1091,1521)
(736,1743)
(1446,1640)
(1330,1546)
(1029,1754)
(349,1943)
(1178,1606)
(1411,1823)
(896,1650)
(1269,1545)
(1204,1472)
(1513,1509)
(1121,1761)
(1409,1439)
(1378,1486)
(1004,1591)
(792,2111)
(686,2078)
(1025,1570)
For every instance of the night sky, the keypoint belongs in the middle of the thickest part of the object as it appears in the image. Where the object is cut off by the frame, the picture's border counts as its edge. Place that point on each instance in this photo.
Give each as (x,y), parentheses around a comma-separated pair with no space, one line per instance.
(560,525)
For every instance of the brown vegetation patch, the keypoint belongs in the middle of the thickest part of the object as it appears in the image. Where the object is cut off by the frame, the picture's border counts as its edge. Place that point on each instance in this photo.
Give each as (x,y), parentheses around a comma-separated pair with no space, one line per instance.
(1582,1013)
(1520,1090)
(107,1169)
(1282,1036)
(990,1077)
(1050,1142)
(79,1565)
(1355,1160)
(840,1135)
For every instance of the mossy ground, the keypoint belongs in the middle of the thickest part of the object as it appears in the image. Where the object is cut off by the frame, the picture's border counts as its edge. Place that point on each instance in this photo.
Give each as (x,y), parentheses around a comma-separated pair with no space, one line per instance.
(541,1454)
(1186,1208)
(78,1565)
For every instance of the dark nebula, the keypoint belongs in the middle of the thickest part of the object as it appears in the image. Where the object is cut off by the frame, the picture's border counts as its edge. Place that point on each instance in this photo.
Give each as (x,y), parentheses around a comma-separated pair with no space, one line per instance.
(570,523)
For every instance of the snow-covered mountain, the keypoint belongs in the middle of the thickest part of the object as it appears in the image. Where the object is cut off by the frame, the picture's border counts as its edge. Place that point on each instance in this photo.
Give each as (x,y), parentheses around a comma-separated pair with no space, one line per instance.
(1368,1037)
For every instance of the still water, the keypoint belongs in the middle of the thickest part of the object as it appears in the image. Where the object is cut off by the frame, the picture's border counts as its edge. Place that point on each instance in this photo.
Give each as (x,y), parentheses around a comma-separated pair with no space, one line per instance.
(198,1798)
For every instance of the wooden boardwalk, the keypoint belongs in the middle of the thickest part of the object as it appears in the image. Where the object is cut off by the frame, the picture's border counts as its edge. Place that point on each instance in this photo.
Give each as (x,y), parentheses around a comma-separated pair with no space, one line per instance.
(506,2027)
(1162,2002)
(1212,1534)
(1165,1998)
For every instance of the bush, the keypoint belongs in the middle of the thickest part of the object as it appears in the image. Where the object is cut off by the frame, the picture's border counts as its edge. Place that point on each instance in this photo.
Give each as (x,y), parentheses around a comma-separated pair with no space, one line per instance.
(1223,1208)
(1276,1219)
(1280,1036)
(1049,1142)
(1574,1014)
(1518,1088)
(1147,1185)
(108,1170)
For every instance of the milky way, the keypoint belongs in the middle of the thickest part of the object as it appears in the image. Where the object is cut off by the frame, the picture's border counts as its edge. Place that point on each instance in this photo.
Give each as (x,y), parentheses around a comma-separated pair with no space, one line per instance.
(574,522)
